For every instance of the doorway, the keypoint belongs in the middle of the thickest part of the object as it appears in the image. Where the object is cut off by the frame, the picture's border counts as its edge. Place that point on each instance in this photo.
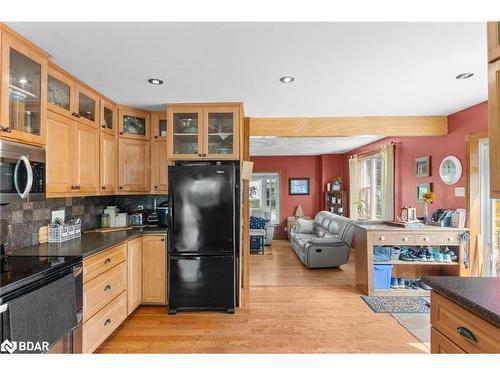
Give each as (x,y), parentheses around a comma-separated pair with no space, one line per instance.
(265,196)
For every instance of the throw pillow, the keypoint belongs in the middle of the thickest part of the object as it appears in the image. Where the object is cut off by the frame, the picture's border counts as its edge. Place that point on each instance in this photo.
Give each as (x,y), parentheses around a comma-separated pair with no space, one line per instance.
(258,222)
(304,226)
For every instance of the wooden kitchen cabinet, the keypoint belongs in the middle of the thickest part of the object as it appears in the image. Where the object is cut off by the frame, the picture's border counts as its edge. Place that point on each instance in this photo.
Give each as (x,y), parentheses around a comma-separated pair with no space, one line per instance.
(133,123)
(159,157)
(108,163)
(133,165)
(86,158)
(134,274)
(494,126)
(204,131)
(60,92)
(72,157)
(23,89)
(109,117)
(154,270)
(493,41)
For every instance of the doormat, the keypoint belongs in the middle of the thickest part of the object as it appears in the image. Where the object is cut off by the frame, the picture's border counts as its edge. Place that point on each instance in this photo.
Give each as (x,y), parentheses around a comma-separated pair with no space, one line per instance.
(400,304)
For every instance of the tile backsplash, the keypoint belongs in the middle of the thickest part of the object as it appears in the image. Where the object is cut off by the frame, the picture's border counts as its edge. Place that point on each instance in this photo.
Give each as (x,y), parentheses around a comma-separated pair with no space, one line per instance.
(20,221)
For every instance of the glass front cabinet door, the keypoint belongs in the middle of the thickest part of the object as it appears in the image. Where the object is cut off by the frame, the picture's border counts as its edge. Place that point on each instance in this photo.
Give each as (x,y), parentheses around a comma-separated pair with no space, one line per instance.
(221,129)
(60,92)
(185,136)
(108,117)
(24,82)
(205,131)
(87,106)
(133,123)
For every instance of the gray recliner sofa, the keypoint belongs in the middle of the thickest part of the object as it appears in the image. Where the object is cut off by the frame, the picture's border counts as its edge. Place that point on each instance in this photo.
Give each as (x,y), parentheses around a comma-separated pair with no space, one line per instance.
(328,244)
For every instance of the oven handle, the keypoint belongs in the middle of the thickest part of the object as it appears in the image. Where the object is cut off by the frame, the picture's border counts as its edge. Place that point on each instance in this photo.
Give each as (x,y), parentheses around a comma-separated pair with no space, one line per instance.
(4,307)
(29,183)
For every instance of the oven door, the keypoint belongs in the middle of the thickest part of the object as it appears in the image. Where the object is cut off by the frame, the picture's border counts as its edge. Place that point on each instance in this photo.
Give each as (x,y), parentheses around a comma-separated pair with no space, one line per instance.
(22,172)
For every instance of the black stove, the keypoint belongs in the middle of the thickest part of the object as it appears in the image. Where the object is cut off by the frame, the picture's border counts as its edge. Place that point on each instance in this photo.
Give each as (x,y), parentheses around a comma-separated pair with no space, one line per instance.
(19,271)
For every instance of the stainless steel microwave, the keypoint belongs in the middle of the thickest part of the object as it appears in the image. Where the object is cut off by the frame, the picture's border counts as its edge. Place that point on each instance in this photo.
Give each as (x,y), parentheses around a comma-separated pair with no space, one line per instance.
(22,172)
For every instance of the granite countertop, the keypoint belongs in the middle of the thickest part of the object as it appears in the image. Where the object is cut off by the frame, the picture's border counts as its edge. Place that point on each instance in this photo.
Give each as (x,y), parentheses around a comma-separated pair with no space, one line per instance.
(88,244)
(381,226)
(481,295)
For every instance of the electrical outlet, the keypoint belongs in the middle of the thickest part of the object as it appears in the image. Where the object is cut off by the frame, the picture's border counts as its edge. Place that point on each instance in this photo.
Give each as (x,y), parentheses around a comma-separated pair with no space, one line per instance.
(459,192)
(59,214)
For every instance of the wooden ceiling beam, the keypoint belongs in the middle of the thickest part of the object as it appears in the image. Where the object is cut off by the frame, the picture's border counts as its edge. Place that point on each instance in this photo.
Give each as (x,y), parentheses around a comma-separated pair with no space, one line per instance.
(388,126)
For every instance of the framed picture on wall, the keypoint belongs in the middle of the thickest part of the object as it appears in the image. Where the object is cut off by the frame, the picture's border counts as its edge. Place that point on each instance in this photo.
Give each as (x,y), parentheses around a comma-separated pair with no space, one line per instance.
(298,186)
(421,190)
(422,166)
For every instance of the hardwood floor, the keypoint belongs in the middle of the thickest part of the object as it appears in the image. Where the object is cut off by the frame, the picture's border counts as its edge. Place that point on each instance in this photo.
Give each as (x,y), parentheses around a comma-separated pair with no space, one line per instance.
(290,310)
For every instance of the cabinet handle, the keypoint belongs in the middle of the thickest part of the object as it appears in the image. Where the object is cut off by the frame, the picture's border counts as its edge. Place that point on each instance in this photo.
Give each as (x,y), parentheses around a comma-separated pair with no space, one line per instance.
(426,238)
(103,187)
(382,238)
(156,187)
(6,129)
(77,187)
(74,114)
(108,321)
(405,239)
(467,334)
(103,126)
(121,133)
(156,136)
(108,287)
(121,187)
(204,155)
(162,240)
(199,155)
(450,238)
(107,261)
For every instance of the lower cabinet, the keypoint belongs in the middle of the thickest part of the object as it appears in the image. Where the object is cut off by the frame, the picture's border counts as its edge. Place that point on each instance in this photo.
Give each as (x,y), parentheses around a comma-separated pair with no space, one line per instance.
(154,270)
(116,281)
(134,278)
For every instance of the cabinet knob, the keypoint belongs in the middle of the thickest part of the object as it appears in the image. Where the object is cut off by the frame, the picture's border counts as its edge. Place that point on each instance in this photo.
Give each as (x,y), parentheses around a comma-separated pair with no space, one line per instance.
(405,239)
(450,238)
(156,187)
(103,187)
(6,129)
(382,238)
(426,238)
(108,287)
(74,114)
(156,136)
(121,133)
(121,187)
(78,187)
(163,239)
(204,155)
(108,321)
(199,155)
(108,260)
(103,126)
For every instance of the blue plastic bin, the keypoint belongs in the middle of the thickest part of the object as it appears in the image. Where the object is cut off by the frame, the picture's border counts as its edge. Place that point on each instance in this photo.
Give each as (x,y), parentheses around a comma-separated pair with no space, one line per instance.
(382,276)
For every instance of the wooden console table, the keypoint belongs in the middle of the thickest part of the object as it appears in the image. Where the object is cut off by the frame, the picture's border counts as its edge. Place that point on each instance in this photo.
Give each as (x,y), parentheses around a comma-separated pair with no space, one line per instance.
(366,236)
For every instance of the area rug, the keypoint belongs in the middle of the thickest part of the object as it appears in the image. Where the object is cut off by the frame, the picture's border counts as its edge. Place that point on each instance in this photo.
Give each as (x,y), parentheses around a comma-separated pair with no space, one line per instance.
(400,304)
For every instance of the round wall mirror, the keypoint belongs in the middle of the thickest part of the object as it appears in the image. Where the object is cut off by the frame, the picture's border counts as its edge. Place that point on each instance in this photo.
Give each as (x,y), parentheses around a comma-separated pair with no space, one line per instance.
(450,170)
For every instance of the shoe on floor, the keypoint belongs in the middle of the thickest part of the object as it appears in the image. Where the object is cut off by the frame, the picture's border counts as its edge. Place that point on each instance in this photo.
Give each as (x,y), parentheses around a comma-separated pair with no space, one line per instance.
(394,283)
(401,283)
(414,285)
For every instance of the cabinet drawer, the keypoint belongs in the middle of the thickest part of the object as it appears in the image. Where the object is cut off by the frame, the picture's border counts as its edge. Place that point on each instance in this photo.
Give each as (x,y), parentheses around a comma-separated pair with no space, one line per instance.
(394,238)
(100,291)
(102,324)
(449,318)
(100,263)
(438,238)
(440,344)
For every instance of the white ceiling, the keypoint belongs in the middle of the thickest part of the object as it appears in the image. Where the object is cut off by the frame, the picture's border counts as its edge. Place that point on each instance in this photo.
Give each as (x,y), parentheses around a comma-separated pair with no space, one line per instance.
(307,146)
(341,69)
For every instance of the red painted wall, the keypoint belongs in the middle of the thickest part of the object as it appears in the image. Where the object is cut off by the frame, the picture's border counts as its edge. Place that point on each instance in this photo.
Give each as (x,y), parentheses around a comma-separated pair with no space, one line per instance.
(460,124)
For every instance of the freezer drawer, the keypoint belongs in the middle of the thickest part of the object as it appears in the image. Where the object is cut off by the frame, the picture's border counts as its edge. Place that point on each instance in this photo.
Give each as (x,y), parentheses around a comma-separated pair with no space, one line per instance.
(202,283)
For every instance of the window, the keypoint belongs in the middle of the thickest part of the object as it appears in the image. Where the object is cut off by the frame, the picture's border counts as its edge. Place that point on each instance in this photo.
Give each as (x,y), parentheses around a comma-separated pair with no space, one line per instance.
(371,193)
(489,217)
(265,196)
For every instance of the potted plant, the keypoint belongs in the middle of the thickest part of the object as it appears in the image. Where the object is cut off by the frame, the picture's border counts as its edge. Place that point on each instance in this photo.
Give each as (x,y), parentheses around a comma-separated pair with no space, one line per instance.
(337,184)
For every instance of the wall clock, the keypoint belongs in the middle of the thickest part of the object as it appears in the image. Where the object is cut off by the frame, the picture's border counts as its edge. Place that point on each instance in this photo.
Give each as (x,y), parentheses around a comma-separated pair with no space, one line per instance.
(450,170)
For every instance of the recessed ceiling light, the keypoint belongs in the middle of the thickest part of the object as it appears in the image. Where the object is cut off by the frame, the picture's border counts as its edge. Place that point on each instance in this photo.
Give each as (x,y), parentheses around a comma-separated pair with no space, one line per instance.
(287,79)
(155,81)
(464,75)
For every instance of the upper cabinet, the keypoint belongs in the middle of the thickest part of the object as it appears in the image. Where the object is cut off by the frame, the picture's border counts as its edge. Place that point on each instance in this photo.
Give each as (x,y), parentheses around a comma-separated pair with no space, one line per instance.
(67,97)
(109,117)
(493,41)
(206,131)
(159,161)
(133,123)
(23,99)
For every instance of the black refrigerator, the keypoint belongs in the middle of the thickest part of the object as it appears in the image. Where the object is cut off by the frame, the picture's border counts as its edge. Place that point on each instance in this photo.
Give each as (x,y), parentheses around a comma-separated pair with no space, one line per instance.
(203,239)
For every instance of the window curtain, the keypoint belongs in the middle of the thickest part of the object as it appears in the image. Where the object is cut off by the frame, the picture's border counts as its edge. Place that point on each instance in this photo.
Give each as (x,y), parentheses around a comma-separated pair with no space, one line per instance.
(353,186)
(388,182)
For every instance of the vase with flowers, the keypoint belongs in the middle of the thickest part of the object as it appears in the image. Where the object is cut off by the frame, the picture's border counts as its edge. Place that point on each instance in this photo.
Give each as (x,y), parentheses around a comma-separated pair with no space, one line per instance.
(428,198)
